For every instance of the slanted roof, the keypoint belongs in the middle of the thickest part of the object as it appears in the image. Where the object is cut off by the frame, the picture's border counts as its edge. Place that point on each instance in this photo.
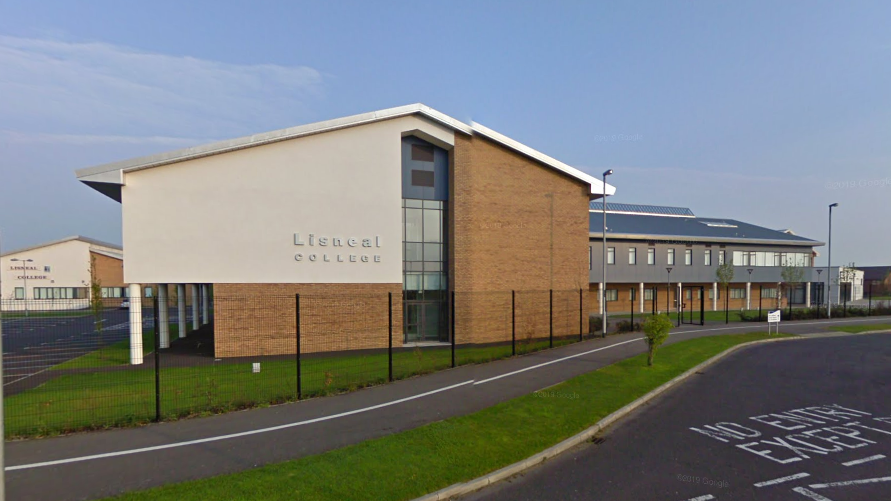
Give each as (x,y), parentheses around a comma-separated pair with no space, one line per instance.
(653,210)
(108,178)
(875,272)
(90,241)
(647,226)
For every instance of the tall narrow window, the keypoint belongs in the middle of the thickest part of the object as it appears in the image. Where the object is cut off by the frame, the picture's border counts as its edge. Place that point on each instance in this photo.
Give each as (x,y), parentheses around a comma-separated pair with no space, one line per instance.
(671,256)
(651,256)
(688,257)
(708,257)
(20,293)
(610,255)
(632,256)
(721,256)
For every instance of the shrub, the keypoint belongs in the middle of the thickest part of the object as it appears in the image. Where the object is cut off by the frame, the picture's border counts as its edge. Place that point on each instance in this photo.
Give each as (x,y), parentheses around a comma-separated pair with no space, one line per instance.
(595,324)
(627,326)
(656,328)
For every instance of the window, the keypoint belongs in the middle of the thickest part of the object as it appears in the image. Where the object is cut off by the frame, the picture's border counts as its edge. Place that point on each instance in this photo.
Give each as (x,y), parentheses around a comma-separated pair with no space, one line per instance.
(148,292)
(769,293)
(20,293)
(737,293)
(670,256)
(651,256)
(422,178)
(115,292)
(610,255)
(422,152)
(711,293)
(632,257)
(60,292)
(688,257)
(612,295)
(47,269)
(688,294)
(632,293)
(740,258)
(708,257)
(648,294)
(721,256)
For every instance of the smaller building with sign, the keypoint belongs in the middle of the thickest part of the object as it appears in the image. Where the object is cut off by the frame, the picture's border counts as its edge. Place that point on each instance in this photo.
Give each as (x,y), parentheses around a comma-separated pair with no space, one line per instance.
(57,275)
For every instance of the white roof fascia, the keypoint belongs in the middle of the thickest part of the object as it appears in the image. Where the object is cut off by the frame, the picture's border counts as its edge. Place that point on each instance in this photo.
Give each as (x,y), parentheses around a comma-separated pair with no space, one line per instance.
(596,184)
(62,241)
(597,211)
(689,238)
(147,162)
(113,255)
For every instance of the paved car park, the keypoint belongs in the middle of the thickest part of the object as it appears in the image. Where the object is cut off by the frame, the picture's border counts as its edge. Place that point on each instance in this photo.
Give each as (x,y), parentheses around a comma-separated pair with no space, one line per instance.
(791,421)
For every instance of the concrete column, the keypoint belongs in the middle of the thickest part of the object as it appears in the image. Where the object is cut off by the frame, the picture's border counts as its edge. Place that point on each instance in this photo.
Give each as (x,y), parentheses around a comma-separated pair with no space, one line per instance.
(196,296)
(748,295)
(641,297)
(181,309)
(680,291)
(135,324)
(205,307)
(600,298)
(164,314)
(714,296)
(807,294)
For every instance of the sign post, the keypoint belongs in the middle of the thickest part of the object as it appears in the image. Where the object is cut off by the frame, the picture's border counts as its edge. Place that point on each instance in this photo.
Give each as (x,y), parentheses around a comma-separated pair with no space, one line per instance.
(773,317)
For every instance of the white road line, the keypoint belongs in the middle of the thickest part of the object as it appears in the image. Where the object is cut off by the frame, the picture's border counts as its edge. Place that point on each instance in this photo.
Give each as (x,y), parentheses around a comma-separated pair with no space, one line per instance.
(810,494)
(555,361)
(864,460)
(702,498)
(781,480)
(851,482)
(26,377)
(234,435)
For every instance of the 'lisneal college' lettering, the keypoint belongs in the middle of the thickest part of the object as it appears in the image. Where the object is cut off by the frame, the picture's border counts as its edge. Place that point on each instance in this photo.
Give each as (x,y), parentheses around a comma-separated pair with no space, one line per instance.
(314,240)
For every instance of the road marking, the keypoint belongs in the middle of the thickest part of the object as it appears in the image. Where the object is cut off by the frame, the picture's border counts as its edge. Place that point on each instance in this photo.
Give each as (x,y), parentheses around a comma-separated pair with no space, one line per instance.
(811,494)
(234,435)
(851,482)
(781,480)
(702,498)
(26,377)
(864,460)
(555,361)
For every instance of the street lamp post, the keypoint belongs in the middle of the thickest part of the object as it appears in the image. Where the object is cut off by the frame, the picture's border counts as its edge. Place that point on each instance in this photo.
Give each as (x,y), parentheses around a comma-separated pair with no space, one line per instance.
(25,278)
(603,298)
(668,293)
(829,266)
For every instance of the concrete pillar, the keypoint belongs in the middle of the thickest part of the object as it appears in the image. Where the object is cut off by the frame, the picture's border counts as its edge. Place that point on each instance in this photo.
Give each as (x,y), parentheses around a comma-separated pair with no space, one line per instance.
(600,298)
(196,296)
(714,296)
(807,294)
(680,291)
(181,309)
(164,314)
(135,324)
(641,297)
(748,295)
(205,307)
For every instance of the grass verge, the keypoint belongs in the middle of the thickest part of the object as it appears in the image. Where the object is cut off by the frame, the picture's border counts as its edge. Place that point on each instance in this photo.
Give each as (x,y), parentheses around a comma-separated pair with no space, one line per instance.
(126,397)
(412,463)
(856,329)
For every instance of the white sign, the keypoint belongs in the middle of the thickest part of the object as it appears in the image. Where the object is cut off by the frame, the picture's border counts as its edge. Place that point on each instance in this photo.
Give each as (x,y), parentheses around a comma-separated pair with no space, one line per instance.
(773,317)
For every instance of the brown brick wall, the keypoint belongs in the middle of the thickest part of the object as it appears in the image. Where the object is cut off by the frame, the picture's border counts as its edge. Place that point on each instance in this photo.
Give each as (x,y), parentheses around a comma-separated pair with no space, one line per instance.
(519,225)
(260,319)
(109,271)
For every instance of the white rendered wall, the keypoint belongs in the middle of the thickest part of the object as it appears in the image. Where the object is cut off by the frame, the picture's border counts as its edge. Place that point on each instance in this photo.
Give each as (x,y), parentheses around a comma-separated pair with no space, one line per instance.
(231,218)
(69,264)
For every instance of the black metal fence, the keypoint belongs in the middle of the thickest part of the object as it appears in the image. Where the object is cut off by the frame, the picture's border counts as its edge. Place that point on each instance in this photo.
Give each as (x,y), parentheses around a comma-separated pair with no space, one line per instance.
(72,369)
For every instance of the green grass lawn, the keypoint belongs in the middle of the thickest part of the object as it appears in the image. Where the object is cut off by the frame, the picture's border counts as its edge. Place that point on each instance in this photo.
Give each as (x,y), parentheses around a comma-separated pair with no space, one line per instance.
(419,461)
(855,329)
(114,354)
(104,399)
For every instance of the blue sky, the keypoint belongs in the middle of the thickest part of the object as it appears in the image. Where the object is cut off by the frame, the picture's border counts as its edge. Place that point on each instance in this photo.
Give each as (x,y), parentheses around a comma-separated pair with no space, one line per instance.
(759,111)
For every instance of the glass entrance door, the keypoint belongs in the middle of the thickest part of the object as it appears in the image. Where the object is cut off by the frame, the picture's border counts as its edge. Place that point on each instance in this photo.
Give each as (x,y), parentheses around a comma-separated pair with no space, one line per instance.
(426,321)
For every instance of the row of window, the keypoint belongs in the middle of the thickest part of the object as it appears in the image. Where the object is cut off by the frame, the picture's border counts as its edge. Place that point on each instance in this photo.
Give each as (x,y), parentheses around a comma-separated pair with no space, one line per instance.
(739,258)
(737,293)
(76,292)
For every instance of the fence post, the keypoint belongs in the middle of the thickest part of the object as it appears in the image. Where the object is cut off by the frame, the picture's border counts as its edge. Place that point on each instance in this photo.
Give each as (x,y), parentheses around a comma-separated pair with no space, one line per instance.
(655,289)
(845,314)
(581,315)
(513,323)
(453,328)
(551,318)
(390,331)
(297,331)
(632,307)
(760,296)
(157,343)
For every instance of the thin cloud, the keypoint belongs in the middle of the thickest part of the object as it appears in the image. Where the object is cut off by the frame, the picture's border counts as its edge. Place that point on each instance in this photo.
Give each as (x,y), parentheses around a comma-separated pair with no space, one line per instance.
(83,90)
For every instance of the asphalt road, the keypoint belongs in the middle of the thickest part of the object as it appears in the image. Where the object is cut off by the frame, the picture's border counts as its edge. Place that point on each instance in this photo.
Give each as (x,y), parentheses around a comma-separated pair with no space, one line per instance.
(796,421)
(193,448)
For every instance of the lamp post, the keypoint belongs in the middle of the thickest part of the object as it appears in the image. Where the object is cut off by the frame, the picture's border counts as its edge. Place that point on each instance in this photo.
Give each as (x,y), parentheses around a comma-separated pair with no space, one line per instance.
(607,173)
(829,266)
(668,293)
(25,278)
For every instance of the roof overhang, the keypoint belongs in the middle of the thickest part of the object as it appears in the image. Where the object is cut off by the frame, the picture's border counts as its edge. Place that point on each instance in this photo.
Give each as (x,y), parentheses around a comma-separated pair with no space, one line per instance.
(688,238)
(108,178)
